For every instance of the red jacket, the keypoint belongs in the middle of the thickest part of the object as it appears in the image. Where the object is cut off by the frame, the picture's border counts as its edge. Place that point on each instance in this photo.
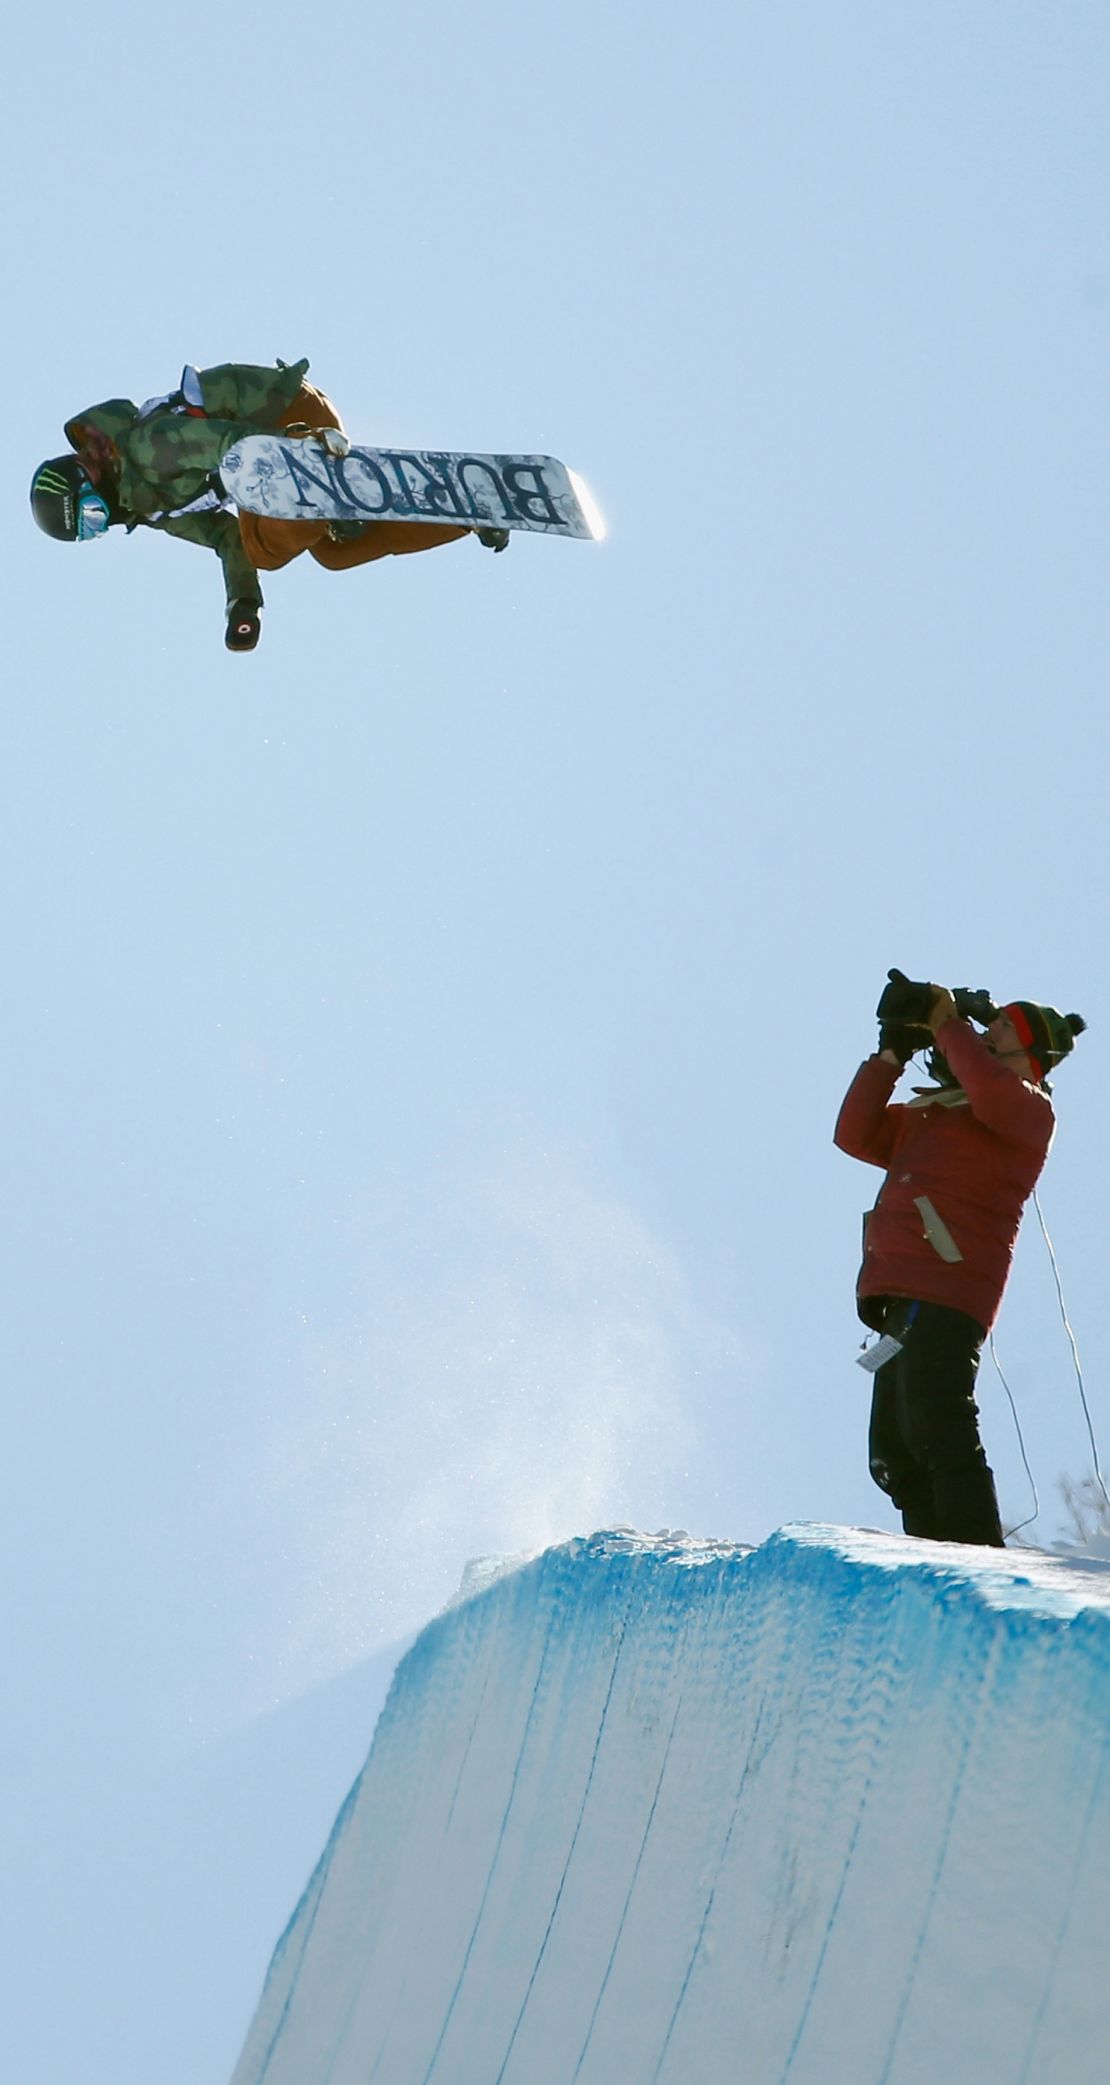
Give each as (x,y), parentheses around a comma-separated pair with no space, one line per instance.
(971,1157)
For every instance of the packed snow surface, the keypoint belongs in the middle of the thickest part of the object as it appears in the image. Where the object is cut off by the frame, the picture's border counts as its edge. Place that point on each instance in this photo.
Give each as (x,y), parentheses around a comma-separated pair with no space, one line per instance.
(833,1811)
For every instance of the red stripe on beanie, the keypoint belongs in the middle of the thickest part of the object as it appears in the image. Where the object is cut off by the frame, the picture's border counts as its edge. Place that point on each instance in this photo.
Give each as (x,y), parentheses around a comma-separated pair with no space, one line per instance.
(1023,1029)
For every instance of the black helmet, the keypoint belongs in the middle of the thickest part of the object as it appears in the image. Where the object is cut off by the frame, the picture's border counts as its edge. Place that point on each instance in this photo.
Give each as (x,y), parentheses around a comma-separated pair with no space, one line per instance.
(66,503)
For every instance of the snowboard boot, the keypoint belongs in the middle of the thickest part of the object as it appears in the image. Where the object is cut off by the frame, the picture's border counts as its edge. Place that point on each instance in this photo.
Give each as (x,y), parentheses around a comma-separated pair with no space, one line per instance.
(244,625)
(493,538)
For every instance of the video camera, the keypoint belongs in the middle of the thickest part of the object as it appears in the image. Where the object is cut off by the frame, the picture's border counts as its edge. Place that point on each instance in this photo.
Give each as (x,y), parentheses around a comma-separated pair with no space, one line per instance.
(903,1015)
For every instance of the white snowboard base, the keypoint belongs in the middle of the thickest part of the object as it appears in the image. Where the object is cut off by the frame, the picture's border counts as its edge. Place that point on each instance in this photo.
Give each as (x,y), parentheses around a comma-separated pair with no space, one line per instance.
(292,478)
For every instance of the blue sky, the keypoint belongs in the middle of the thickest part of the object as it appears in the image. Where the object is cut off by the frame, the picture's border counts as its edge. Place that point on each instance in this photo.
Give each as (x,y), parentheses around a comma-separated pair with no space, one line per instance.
(423,1036)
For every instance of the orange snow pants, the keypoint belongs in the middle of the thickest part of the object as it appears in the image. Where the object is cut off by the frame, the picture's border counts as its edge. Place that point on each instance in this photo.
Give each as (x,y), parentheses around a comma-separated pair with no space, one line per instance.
(270,544)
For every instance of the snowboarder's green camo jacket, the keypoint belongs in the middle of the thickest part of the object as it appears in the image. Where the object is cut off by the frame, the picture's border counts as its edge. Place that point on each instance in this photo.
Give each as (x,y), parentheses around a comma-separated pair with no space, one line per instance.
(167,455)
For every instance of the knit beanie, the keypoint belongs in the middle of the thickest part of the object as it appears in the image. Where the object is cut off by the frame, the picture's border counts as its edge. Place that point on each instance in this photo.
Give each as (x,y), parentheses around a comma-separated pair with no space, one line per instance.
(1045,1035)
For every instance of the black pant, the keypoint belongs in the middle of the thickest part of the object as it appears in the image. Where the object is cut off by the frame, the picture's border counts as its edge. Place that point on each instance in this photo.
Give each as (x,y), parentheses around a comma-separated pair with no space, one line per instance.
(924,1444)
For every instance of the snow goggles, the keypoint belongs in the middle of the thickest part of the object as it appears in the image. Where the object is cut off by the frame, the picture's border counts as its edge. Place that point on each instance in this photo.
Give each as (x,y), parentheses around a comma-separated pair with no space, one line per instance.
(92,514)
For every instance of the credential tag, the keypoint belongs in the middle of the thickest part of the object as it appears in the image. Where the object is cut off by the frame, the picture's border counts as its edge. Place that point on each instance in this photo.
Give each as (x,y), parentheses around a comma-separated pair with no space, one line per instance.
(883,1350)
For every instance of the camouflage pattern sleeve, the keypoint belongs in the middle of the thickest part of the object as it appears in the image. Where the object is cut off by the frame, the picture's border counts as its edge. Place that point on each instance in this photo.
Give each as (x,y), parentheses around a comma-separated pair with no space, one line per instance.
(167,461)
(219,532)
(243,391)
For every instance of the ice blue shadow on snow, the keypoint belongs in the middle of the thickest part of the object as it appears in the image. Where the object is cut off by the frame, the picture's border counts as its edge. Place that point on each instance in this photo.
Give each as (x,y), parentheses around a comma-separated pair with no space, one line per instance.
(832,1811)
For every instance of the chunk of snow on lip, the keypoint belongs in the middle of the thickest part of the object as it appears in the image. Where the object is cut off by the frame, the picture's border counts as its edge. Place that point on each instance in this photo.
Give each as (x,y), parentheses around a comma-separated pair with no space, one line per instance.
(479,1573)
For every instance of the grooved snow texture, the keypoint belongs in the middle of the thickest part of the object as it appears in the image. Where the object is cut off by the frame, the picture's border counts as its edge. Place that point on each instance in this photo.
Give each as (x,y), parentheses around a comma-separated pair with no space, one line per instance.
(834,1811)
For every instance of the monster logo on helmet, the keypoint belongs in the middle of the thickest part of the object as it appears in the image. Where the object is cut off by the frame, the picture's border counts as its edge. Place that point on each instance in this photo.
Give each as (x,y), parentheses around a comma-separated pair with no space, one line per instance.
(66,503)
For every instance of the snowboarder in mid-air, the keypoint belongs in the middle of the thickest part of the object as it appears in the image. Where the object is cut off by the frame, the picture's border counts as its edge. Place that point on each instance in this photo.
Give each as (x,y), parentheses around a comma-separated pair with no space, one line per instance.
(961,1159)
(155,465)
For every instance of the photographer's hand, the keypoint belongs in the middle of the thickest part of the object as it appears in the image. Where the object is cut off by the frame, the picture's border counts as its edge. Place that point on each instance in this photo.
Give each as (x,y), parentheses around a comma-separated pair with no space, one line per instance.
(909,1016)
(942,1007)
(897,1043)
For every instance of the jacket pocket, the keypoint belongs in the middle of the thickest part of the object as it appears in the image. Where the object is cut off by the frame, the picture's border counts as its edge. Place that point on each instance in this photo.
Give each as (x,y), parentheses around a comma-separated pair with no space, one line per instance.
(937,1231)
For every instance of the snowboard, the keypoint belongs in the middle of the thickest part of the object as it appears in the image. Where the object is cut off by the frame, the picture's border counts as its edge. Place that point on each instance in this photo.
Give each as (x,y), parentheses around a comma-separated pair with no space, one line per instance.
(298,478)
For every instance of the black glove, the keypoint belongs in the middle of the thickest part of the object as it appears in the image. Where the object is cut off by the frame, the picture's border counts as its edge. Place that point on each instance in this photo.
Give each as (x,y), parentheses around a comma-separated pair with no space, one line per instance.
(903,1014)
(244,626)
(903,1039)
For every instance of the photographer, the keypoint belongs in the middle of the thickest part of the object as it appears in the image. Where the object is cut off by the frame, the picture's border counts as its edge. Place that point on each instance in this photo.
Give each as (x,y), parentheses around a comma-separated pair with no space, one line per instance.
(960,1159)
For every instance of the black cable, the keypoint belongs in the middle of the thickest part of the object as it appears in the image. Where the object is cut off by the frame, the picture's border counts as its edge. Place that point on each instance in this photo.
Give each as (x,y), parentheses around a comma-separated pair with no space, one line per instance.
(1027,1523)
